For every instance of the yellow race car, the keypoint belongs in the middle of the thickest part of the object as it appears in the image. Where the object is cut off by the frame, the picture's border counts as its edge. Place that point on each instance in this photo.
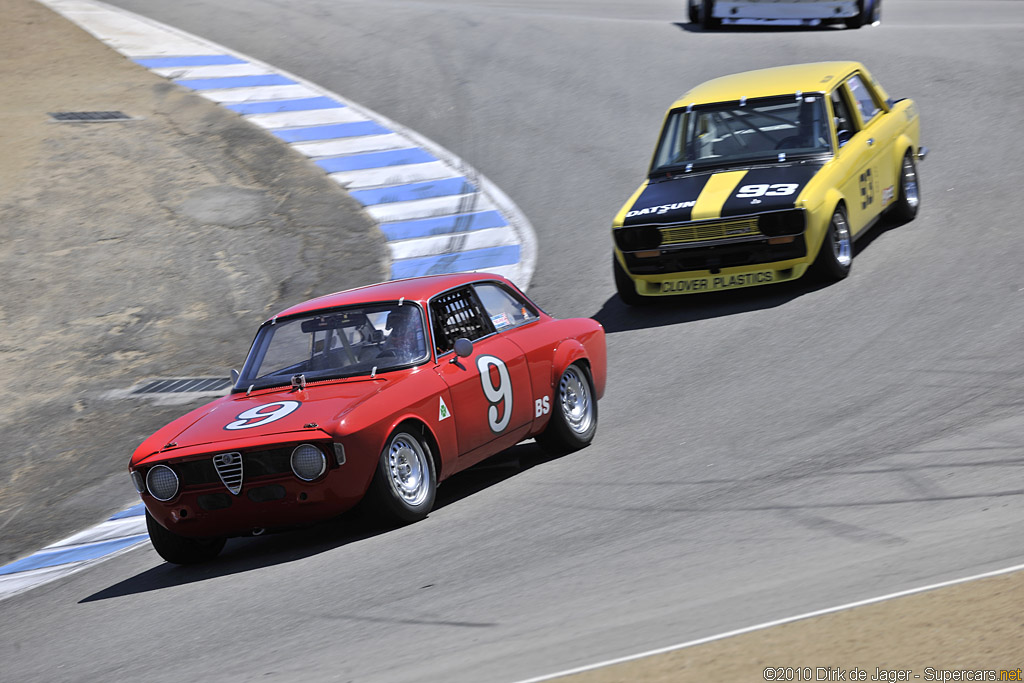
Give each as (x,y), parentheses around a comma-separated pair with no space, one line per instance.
(764,176)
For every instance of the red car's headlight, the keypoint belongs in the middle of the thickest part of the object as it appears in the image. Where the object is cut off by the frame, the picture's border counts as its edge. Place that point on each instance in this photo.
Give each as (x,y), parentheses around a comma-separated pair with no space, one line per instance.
(308,462)
(162,482)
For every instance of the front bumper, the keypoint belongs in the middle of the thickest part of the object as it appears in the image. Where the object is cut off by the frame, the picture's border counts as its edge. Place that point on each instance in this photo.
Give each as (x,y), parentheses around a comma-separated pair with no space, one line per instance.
(716,268)
(278,503)
(791,13)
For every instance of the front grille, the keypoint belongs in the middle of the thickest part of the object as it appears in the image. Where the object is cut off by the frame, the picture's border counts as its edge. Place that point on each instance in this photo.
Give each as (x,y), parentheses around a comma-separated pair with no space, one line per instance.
(714,258)
(204,470)
(712,230)
(229,469)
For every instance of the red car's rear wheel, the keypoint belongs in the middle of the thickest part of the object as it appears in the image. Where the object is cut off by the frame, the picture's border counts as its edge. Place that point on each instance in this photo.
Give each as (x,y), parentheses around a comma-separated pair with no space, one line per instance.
(574,413)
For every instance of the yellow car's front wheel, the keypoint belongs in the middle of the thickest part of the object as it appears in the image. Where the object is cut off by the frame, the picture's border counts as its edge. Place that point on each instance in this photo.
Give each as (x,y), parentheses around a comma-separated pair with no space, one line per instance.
(625,286)
(905,208)
(835,256)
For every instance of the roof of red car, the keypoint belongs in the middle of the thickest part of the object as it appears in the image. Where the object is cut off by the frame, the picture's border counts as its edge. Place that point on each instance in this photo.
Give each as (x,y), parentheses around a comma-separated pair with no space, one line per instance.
(413,288)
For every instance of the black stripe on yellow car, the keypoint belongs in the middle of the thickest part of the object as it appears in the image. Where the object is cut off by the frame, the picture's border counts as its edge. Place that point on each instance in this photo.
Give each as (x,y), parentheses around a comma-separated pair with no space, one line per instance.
(666,200)
(770,188)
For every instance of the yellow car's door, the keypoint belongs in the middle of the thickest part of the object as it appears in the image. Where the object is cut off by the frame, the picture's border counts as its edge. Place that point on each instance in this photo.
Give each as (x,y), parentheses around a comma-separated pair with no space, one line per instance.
(875,177)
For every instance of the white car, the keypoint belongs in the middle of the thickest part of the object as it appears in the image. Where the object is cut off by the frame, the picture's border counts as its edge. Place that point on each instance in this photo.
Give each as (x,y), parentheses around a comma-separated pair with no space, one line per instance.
(852,13)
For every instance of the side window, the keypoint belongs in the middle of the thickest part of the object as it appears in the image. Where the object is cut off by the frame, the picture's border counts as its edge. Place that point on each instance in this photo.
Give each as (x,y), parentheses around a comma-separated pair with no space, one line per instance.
(458,314)
(505,308)
(863,98)
(843,118)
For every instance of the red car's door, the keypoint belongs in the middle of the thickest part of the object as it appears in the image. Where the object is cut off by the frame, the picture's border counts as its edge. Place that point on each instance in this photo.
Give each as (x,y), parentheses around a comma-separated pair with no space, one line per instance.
(490,390)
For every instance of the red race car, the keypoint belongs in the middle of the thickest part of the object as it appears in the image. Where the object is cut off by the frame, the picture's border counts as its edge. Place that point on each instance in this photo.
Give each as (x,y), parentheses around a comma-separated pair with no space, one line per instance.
(379,393)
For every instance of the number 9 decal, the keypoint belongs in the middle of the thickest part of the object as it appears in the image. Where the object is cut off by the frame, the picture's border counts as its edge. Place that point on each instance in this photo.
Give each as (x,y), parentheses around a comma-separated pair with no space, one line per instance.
(264,414)
(496,394)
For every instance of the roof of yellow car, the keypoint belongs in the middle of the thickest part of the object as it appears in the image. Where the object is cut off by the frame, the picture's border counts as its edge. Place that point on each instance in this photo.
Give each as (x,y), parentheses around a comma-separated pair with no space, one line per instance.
(778,80)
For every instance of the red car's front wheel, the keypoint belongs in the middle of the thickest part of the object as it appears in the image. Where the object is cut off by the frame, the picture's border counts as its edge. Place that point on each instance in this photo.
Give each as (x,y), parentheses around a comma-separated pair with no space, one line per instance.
(179,549)
(405,483)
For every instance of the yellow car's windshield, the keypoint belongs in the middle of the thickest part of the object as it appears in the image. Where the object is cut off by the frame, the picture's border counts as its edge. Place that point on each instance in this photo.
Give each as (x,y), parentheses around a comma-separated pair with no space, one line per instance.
(747,131)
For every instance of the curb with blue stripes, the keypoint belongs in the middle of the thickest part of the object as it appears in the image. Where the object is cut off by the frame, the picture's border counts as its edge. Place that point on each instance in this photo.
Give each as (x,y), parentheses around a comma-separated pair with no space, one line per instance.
(121,532)
(437,213)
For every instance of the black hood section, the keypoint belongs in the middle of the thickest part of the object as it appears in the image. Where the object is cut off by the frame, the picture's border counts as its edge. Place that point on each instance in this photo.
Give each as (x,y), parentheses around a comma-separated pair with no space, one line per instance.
(780,193)
(671,200)
(666,201)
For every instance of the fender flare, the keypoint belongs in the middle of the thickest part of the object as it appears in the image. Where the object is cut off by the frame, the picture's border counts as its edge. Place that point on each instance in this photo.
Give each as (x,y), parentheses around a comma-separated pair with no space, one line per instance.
(833,198)
(903,144)
(568,352)
(428,434)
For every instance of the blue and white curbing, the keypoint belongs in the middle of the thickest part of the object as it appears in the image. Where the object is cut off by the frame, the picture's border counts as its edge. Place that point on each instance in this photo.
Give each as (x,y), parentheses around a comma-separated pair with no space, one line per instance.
(437,213)
(124,530)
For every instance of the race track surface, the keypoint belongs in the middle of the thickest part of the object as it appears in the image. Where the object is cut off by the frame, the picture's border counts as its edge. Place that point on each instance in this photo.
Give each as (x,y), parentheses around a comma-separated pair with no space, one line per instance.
(760,454)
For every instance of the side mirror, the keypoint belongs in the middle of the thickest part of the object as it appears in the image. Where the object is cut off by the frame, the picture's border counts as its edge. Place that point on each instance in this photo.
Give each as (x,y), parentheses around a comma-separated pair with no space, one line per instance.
(843,137)
(234,377)
(463,347)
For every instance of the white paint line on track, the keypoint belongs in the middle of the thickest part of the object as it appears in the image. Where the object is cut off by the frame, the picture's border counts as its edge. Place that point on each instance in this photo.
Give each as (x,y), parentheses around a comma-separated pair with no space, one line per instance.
(214,71)
(427,208)
(442,244)
(296,119)
(771,624)
(353,145)
(122,31)
(106,531)
(275,106)
(260,93)
(391,175)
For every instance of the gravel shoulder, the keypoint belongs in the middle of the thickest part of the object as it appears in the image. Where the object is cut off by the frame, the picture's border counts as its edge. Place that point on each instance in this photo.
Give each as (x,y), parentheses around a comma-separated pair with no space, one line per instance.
(134,250)
(938,635)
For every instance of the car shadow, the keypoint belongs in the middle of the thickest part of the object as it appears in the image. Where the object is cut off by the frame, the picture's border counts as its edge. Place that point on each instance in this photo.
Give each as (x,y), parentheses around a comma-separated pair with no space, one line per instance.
(245,554)
(697,28)
(616,316)
(884,225)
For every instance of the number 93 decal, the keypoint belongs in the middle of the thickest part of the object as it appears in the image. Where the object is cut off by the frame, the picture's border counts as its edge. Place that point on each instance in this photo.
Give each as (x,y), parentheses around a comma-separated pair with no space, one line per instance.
(496,393)
(264,414)
(777,190)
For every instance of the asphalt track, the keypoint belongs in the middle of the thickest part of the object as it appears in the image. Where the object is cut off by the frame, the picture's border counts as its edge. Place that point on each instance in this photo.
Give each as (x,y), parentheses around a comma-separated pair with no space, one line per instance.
(760,455)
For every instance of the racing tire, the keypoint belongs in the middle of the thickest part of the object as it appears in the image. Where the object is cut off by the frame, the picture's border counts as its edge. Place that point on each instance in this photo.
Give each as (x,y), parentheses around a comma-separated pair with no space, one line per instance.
(835,256)
(707,19)
(858,20)
(573,420)
(179,549)
(405,483)
(625,287)
(906,205)
(869,12)
(693,13)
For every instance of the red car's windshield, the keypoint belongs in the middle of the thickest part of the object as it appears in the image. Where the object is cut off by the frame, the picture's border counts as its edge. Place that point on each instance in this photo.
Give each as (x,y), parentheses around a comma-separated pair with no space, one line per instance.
(347,342)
